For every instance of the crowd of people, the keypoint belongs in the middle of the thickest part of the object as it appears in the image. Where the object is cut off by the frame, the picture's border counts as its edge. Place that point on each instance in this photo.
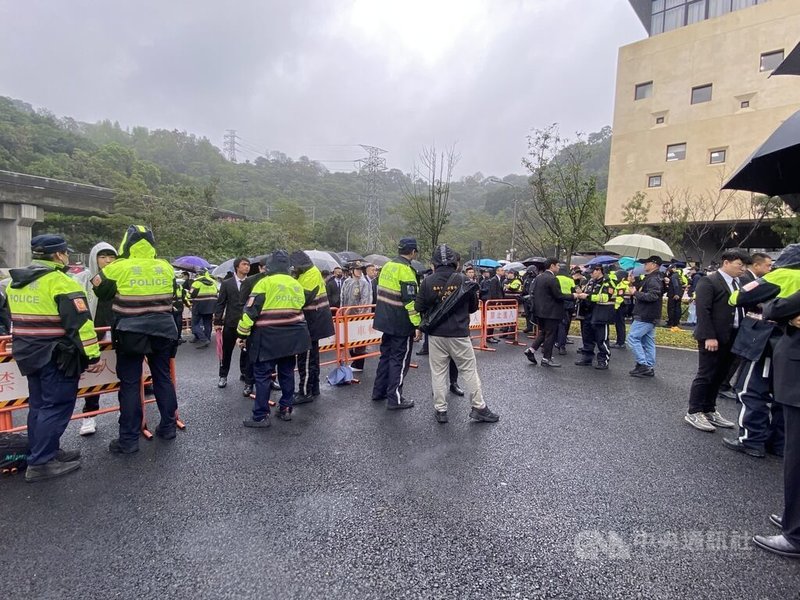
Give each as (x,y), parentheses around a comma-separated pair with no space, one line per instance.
(744,312)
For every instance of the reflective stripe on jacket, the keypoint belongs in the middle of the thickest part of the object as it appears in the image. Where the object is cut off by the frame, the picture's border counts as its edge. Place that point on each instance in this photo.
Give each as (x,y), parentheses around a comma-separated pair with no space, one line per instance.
(49,310)
(394,307)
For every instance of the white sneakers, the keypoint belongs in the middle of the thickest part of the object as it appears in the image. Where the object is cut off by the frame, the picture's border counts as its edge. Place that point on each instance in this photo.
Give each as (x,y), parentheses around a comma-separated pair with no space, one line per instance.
(88,427)
(708,421)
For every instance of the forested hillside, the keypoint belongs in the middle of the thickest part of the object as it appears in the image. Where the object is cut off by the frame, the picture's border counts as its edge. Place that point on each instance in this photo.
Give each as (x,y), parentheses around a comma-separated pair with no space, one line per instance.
(173,181)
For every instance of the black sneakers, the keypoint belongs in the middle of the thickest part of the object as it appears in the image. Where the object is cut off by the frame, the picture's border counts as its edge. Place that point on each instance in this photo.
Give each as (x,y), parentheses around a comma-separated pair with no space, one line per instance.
(549,362)
(223,381)
(262,424)
(302,399)
(483,414)
(441,416)
(285,413)
(642,371)
(399,405)
(248,389)
(116,448)
(530,354)
(50,470)
(601,365)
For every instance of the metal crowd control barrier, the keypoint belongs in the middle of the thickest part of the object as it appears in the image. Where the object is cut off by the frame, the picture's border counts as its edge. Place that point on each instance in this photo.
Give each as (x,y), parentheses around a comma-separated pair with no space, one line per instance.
(496,314)
(354,329)
(14,386)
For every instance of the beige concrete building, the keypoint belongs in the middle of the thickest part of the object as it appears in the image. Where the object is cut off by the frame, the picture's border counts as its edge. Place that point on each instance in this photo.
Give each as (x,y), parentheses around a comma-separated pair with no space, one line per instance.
(694,100)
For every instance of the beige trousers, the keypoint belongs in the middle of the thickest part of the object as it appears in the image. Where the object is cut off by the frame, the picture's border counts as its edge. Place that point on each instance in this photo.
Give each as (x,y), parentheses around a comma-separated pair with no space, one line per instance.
(440,351)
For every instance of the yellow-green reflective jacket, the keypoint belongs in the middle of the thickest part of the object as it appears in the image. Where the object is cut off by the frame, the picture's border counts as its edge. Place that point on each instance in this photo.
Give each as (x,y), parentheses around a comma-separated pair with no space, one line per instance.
(49,312)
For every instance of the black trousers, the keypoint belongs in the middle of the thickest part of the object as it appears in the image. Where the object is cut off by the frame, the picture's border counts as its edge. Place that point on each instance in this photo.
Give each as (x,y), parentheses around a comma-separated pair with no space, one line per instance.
(228,344)
(129,371)
(308,370)
(712,369)
(546,337)
(761,418)
(619,323)
(563,329)
(791,475)
(392,367)
(594,334)
(673,312)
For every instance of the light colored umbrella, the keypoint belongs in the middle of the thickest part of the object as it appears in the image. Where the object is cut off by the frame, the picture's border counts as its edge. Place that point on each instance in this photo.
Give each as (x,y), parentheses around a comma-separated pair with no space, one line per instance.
(377,259)
(322,260)
(637,245)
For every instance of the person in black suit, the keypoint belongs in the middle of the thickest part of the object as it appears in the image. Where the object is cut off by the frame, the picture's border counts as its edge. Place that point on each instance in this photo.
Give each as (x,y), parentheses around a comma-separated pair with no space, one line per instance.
(760,264)
(227,314)
(371,271)
(494,291)
(717,322)
(333,287)
(787,361)
(548,306)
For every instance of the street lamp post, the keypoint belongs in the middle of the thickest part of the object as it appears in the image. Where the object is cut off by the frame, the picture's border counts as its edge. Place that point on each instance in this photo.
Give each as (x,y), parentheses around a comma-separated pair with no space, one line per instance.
(512,250)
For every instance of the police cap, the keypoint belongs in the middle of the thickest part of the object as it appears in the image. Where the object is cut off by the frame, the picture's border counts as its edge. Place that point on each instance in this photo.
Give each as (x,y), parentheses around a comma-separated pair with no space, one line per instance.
(407,245)
(48,243)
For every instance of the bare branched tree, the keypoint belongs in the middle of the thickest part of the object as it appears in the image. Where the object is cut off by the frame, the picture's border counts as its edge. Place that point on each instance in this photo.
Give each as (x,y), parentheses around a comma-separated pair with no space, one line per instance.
(564,197)
(715,219)
(428,194)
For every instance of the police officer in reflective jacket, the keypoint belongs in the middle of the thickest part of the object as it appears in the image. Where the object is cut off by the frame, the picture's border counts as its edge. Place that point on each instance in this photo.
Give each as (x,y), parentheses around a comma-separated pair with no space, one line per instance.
(143,291)
(53,343)
(397,318)
(319,320)
(273,318)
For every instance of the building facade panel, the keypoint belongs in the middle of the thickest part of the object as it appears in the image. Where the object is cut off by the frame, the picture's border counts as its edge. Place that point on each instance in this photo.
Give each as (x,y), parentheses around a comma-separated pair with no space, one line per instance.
(744,108)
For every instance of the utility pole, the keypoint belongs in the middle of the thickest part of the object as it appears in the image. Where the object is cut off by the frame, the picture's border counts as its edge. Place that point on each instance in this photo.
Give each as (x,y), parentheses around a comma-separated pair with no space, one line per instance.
(370,169)
(243,181)
(230,144)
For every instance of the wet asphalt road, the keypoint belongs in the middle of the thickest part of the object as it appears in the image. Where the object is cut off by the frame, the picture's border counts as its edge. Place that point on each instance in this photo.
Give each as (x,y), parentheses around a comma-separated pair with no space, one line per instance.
(591,486)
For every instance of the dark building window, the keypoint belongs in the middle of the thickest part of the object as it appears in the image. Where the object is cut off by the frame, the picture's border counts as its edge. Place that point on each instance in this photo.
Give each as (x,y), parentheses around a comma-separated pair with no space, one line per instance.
(717,157)
(745,104)
(701,94)
(676,152)
(771,60)
(643,90)
(659,120)
(654,181)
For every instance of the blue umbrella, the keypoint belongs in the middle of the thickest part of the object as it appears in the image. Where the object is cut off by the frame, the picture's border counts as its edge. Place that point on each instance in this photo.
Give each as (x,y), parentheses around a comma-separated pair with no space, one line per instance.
(602,260)
(191,263)
(627,263)
(486,262)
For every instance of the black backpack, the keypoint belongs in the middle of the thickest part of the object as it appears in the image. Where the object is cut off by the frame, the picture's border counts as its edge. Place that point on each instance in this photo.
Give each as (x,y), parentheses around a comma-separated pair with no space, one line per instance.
(13,452)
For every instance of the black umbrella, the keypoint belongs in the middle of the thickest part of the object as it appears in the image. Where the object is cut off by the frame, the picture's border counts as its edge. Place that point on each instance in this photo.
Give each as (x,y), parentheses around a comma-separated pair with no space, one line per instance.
(790,64)
(537,261)
(349,256)
(773,168)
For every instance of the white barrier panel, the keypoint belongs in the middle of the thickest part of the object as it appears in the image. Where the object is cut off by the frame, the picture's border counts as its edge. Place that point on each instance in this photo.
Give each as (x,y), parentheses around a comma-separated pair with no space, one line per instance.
(359,331)
(14,385)
(475,319)
(501,316)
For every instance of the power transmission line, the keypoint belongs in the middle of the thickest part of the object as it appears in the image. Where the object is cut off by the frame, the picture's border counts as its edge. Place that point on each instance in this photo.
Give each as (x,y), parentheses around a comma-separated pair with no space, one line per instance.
(370,169)
(231,144)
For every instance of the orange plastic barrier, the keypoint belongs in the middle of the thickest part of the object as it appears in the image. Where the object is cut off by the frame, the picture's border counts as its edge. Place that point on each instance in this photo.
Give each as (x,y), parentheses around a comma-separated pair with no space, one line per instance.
(9,406)
(497,314)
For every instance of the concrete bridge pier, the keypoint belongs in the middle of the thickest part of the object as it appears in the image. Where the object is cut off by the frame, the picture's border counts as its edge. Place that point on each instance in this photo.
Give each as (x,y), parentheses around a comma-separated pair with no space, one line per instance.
(16,221)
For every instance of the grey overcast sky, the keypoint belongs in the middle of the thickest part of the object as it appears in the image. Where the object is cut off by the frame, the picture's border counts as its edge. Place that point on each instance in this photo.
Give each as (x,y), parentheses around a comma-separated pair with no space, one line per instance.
(312,76)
